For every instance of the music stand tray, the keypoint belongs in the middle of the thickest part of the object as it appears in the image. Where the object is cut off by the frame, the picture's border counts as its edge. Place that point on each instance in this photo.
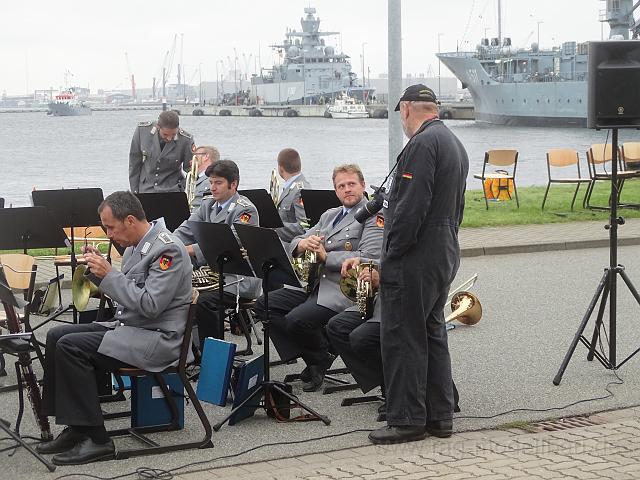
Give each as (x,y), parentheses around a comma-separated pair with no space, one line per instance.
(30,227)
(172,206)
(267,211)
(316,202)
(268,257)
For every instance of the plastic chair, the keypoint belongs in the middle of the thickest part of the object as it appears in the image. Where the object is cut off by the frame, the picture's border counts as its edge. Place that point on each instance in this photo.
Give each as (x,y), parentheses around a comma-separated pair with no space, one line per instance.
(563,158)
(499,158)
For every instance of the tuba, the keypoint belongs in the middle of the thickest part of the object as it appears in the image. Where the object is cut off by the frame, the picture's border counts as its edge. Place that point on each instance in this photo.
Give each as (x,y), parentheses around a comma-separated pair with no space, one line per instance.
(192,178)
(359,291)
(274,186)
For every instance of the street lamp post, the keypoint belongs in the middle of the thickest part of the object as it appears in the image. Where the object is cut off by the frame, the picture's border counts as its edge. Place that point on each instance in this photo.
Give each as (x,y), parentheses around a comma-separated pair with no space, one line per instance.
(439,35)
(200,77)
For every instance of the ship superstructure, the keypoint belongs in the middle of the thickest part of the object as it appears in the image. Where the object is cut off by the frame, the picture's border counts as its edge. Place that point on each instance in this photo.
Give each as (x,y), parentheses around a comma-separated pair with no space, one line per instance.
(534,87)
(311,72)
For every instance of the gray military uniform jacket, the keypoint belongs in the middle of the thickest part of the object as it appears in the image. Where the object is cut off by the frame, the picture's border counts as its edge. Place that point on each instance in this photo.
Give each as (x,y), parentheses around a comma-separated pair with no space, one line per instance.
(239,210)
(203,188)
(153,293)
(291,210)
(345,240)
(152,170)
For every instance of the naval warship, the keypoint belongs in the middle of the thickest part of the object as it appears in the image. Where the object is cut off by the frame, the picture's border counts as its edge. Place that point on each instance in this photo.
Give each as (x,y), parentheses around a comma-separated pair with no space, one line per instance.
(67,104)
(534,87)
(311,72)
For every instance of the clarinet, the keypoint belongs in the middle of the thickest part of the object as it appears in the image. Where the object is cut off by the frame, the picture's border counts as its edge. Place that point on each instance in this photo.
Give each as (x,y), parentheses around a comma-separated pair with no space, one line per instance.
(33,389)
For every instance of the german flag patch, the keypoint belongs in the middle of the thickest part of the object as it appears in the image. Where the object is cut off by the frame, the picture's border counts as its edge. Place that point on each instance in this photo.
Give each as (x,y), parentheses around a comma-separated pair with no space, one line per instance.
(245,217)
(165,262)
(379,221)
(407,175)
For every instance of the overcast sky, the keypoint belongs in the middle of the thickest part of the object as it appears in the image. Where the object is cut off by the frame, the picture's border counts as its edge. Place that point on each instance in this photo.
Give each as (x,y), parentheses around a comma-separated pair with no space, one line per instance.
(40,40)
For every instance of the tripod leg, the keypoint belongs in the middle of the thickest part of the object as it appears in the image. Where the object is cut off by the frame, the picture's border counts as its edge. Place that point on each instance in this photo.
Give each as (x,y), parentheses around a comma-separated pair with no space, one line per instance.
(596,328)
(297,401)
(630,286)
(583,324)
(5,426)
(258,392)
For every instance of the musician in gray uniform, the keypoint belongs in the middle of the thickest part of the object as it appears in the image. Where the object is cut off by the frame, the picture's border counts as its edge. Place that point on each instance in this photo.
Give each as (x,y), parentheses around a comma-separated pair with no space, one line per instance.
(226,205)
(159,156)
(205,156)
(419,261)
(152,295)
(298,318)
(290,206)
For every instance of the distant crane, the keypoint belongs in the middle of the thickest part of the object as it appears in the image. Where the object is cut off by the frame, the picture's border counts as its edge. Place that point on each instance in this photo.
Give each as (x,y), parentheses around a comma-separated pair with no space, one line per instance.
(133,80)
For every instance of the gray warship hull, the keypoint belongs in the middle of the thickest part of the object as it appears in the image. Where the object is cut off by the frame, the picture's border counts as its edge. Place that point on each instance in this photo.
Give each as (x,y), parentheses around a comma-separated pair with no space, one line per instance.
(66,110)
(539,104)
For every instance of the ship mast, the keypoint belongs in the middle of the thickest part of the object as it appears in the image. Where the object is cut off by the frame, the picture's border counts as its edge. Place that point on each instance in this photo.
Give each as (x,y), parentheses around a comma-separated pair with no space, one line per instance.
(499,22)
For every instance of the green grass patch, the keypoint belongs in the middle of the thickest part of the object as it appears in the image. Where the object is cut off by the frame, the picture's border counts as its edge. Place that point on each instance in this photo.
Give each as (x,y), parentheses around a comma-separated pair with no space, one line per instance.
(520,425)
(44,252)
(556,210)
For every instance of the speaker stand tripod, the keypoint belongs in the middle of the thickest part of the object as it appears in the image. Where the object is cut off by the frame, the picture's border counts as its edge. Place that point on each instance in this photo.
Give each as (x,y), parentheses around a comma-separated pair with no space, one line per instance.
(607,289)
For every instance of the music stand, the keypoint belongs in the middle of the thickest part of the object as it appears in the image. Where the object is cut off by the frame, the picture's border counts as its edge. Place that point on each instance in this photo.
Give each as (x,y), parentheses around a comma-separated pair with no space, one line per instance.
(316,202)
(270,262)
(172,206)
(29,227)
(9,300)
(222,252)
(269,216)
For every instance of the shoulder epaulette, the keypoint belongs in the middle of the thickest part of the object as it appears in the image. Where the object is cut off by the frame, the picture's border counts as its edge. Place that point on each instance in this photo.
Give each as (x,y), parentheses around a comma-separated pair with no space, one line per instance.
(145,124)
(243,201)
(165,238)
(185,134)
(298,185)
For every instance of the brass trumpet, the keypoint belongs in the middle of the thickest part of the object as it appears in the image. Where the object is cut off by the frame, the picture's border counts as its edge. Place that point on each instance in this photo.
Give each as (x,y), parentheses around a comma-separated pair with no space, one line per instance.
(192,179)
(307,267)
(274,186)
(82,289)
(359,291)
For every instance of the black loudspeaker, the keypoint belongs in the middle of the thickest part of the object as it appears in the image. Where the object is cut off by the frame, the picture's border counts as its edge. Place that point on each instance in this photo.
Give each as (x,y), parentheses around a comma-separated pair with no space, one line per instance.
(614,84)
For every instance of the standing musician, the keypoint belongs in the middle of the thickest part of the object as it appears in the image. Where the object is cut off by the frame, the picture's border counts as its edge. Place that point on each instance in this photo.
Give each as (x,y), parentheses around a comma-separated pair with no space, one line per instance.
(203,156)
(298,318)
(159,156)
(153,293)
(289,202)
(226,205)
(419,261)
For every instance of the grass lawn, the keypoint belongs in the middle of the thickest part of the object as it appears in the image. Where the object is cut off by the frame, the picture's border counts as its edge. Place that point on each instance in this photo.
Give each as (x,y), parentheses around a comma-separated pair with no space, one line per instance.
(557,209)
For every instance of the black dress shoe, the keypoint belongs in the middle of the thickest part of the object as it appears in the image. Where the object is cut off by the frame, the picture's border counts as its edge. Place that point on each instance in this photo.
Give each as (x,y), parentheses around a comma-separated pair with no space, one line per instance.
(305,376)
(86,451)
(68,439)
(316,379)
(388,435)
(439,428)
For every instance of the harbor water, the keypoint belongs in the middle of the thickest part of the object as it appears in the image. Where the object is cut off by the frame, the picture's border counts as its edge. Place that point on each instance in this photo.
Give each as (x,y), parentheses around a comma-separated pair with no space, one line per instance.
(44,152)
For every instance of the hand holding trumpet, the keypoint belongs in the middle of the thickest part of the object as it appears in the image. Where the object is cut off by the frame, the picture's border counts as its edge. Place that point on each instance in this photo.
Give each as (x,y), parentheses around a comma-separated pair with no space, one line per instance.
(96,262)
(313,243)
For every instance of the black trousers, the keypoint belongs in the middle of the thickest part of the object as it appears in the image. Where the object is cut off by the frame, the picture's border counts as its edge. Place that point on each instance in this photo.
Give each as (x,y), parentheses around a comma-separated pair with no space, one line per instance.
(357,341)
(297,327)
(70,391)
(207,314)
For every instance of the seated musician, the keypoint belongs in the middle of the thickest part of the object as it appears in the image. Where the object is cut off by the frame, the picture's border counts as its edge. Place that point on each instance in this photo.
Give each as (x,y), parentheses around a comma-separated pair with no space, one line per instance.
(226,205)
(289,201)
(298,318)
(205,156)
(152,295)
(357,340)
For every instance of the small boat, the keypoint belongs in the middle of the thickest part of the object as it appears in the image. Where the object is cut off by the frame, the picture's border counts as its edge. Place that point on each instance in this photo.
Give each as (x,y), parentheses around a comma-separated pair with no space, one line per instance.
(68,104)
(347,107)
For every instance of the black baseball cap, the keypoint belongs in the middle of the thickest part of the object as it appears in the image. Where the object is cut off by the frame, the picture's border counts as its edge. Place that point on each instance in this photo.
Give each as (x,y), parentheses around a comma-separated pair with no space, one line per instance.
(417,93)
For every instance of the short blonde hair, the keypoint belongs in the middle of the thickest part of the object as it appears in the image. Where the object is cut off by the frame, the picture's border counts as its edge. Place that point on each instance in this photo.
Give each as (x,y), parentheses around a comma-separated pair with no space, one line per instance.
(214,154)
(347,168)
